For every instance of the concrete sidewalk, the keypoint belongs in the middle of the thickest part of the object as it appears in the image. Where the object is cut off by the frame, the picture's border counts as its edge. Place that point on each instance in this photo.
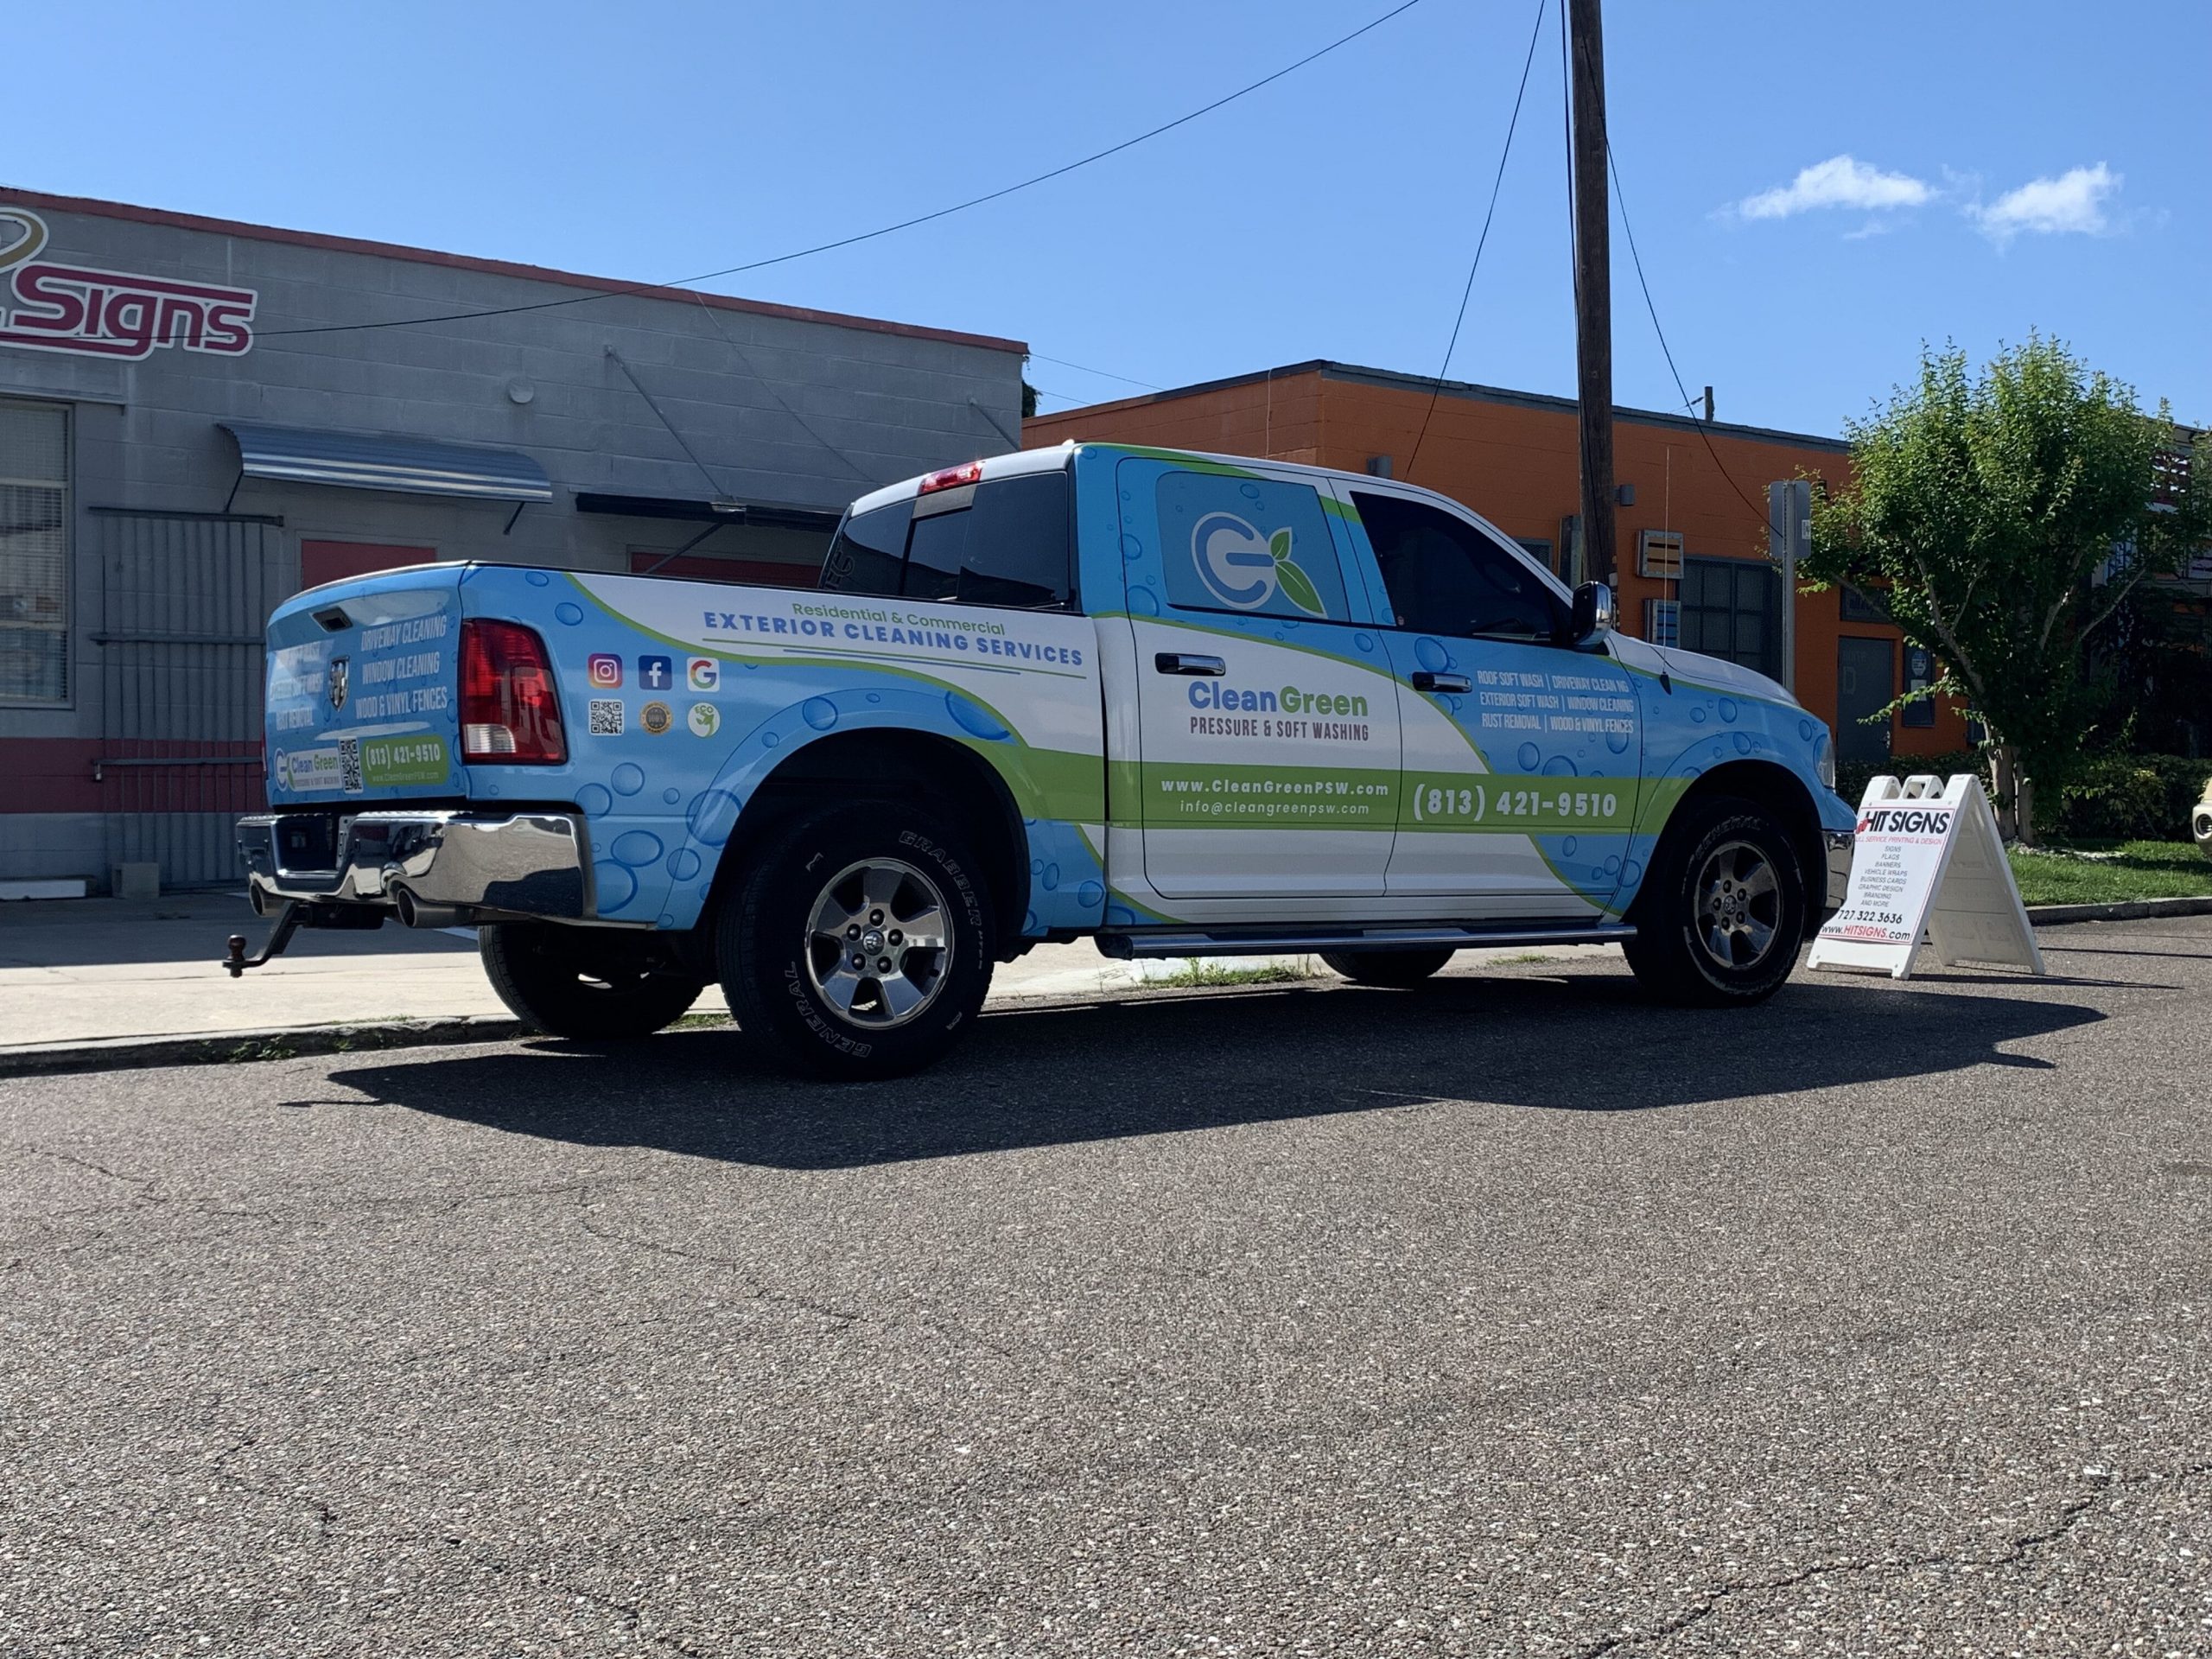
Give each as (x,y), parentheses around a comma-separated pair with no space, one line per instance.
(97,970)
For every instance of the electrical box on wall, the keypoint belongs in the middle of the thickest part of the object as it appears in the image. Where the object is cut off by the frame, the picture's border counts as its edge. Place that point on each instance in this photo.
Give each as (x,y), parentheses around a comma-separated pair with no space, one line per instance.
(1659,553)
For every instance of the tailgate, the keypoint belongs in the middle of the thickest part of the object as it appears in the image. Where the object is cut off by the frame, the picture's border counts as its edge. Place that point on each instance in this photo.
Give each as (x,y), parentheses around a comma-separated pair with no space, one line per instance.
(362,700)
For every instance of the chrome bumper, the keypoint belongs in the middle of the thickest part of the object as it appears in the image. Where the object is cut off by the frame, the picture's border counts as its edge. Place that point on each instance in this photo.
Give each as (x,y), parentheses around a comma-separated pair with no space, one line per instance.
(1838,845)
(504,864)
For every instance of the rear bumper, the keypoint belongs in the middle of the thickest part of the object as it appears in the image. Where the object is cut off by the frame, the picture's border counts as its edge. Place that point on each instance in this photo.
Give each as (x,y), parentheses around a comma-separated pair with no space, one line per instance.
(475,865)
(1838,844)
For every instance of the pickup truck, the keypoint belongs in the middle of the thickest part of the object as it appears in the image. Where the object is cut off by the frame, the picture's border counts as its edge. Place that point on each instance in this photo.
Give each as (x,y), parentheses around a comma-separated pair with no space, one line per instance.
(1181,704)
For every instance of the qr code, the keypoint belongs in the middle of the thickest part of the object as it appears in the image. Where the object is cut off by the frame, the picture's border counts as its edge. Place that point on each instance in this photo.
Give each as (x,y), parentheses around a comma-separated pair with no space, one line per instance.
(349,764)
(605,718)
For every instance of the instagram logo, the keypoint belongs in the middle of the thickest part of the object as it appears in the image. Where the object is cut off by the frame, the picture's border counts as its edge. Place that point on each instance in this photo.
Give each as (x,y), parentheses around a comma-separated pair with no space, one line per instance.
(604,670)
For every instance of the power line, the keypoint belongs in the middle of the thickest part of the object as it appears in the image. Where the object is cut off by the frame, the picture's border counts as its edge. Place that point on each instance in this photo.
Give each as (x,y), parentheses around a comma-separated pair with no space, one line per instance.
(1106,373)
(1460,317)
(1688,403)
(881,231)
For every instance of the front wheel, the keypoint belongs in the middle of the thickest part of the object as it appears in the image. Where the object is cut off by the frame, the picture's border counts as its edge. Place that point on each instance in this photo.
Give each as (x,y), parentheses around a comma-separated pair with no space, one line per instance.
(1398,968)
(1723,911)
(593,984)
(860,942)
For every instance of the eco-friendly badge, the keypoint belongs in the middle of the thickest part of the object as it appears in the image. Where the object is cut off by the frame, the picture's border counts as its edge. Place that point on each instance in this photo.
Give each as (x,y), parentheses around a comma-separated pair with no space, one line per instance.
(1243,568)
(705,720)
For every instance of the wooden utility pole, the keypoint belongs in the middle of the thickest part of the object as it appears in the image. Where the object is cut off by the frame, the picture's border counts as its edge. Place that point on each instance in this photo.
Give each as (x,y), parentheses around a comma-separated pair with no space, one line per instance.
(1593,287)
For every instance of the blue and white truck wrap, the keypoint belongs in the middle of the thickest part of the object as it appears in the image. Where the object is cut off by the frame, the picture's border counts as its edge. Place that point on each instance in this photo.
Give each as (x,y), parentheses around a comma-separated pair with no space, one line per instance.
(1185,704)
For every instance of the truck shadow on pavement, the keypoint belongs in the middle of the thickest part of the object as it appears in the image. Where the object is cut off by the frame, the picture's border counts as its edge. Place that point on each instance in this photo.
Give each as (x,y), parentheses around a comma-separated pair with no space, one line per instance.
(1162,1065)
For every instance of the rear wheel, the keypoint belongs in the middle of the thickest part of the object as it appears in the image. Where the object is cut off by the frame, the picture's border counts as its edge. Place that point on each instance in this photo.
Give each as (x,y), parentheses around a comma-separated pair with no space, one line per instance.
(1723,911)
(860,943)
(591,983)
(1401,969)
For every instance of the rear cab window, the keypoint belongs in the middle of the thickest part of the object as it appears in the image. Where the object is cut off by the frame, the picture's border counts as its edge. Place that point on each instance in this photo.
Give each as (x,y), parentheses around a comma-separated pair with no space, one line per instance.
(1002,542)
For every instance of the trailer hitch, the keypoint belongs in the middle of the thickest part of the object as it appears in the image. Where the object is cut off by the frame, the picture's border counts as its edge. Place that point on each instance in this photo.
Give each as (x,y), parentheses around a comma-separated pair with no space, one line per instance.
(287,922)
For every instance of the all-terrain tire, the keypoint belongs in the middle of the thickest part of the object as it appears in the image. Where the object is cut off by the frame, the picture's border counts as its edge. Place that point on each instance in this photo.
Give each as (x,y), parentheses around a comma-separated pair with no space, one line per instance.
(593,984)
(1400,968)
(1722,912)
(859,943)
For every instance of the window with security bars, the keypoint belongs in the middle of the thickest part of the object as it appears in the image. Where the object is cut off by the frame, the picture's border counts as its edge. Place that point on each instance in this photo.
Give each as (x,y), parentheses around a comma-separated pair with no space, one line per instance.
(1731,608)
(34,553)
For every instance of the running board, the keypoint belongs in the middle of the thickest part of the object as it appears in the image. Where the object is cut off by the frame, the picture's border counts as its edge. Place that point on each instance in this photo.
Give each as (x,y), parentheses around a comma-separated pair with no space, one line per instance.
(1244,942)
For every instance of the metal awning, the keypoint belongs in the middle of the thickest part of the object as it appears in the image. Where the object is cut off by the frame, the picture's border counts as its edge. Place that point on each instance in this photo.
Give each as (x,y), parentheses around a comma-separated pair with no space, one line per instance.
(412,466)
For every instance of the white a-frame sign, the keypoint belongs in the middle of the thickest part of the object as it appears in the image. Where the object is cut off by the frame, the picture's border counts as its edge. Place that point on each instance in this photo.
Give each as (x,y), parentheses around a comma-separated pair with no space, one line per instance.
(1929,866)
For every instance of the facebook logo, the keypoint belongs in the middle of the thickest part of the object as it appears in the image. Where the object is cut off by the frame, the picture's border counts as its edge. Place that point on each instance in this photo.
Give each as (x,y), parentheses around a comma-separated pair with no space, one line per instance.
(655,673)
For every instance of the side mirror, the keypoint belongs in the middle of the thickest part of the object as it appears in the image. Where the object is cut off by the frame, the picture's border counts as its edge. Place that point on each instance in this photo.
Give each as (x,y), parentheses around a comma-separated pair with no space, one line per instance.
(1591,620)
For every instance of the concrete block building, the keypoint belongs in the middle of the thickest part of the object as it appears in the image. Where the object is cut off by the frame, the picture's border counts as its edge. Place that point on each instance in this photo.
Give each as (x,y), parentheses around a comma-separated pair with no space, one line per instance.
(198,418)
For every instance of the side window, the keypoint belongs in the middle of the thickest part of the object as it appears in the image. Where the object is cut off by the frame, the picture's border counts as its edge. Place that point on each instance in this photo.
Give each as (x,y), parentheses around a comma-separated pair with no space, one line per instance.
(1006,545)
(1251,545)
(866,554)
(1445,576)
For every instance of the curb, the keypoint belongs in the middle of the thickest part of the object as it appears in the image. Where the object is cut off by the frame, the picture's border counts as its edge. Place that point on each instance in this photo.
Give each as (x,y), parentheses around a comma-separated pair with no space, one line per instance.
(283,1043)
(2132,910)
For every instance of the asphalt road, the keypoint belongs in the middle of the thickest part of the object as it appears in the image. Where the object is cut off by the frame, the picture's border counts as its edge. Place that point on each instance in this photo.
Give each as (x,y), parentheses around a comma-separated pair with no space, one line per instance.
(1512,1317)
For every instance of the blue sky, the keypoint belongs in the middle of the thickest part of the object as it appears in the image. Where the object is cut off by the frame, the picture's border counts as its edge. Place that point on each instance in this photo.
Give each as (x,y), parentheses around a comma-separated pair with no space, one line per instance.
(1815,189)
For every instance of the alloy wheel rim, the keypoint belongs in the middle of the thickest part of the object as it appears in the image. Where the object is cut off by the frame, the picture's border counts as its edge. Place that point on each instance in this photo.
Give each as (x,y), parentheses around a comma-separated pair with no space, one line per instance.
(1739,915)
(878,947)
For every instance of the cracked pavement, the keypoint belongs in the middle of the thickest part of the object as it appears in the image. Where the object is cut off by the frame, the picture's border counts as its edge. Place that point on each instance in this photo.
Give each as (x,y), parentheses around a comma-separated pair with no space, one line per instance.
(1512,1316)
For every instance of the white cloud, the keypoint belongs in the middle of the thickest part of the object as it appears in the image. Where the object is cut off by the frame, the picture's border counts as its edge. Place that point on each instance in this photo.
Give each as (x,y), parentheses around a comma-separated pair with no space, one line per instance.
(1839,181)
(2074,201)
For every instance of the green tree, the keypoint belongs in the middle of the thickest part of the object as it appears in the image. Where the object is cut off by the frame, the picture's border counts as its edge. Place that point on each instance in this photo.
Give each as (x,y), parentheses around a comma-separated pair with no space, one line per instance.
(1999,521)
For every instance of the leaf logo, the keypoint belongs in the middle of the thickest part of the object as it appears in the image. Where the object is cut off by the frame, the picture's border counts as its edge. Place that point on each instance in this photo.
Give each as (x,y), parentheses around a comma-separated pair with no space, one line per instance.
(1244,569)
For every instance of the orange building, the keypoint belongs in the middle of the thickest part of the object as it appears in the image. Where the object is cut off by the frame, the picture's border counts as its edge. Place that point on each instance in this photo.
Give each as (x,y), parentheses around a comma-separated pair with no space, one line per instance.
(1692,542)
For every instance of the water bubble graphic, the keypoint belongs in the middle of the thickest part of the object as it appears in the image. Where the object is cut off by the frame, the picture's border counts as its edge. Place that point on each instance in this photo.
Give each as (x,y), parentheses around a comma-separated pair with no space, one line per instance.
(1431,655)
(1089,894)
(1559,766)
(1132,548)
(1251,492)
(1029,922)
(1597,876)
(672,795)
(1631,873)
(771,740)
(1616,741)
(593,801)
(1744,744)
(684,864)
(1050,879)
(875,697)
(1805,730)
(491,789)
(1120,916)
(536,578)
(1612,867)
(667,920)
(1566,848)
(627,778)
(1698,714)
(569,614)
(1142,601)
(1530,757)
(711,817)
(819,713)
(976,721)
(1728,709)
(1036,866)
(617,886)
(636,848)
(1363,641)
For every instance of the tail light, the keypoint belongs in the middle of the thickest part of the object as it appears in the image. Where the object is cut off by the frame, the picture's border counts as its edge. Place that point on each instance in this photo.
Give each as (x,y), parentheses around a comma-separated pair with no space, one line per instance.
(510,713)
(951,478)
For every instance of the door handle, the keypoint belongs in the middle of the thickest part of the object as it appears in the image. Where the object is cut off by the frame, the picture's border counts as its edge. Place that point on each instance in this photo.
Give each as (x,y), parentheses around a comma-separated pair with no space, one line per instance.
(1177,662)
(1425,681)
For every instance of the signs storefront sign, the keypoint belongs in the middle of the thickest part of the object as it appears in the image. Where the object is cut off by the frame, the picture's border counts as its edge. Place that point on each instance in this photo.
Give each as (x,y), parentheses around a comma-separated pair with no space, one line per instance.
(1929,868)
(48,307)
